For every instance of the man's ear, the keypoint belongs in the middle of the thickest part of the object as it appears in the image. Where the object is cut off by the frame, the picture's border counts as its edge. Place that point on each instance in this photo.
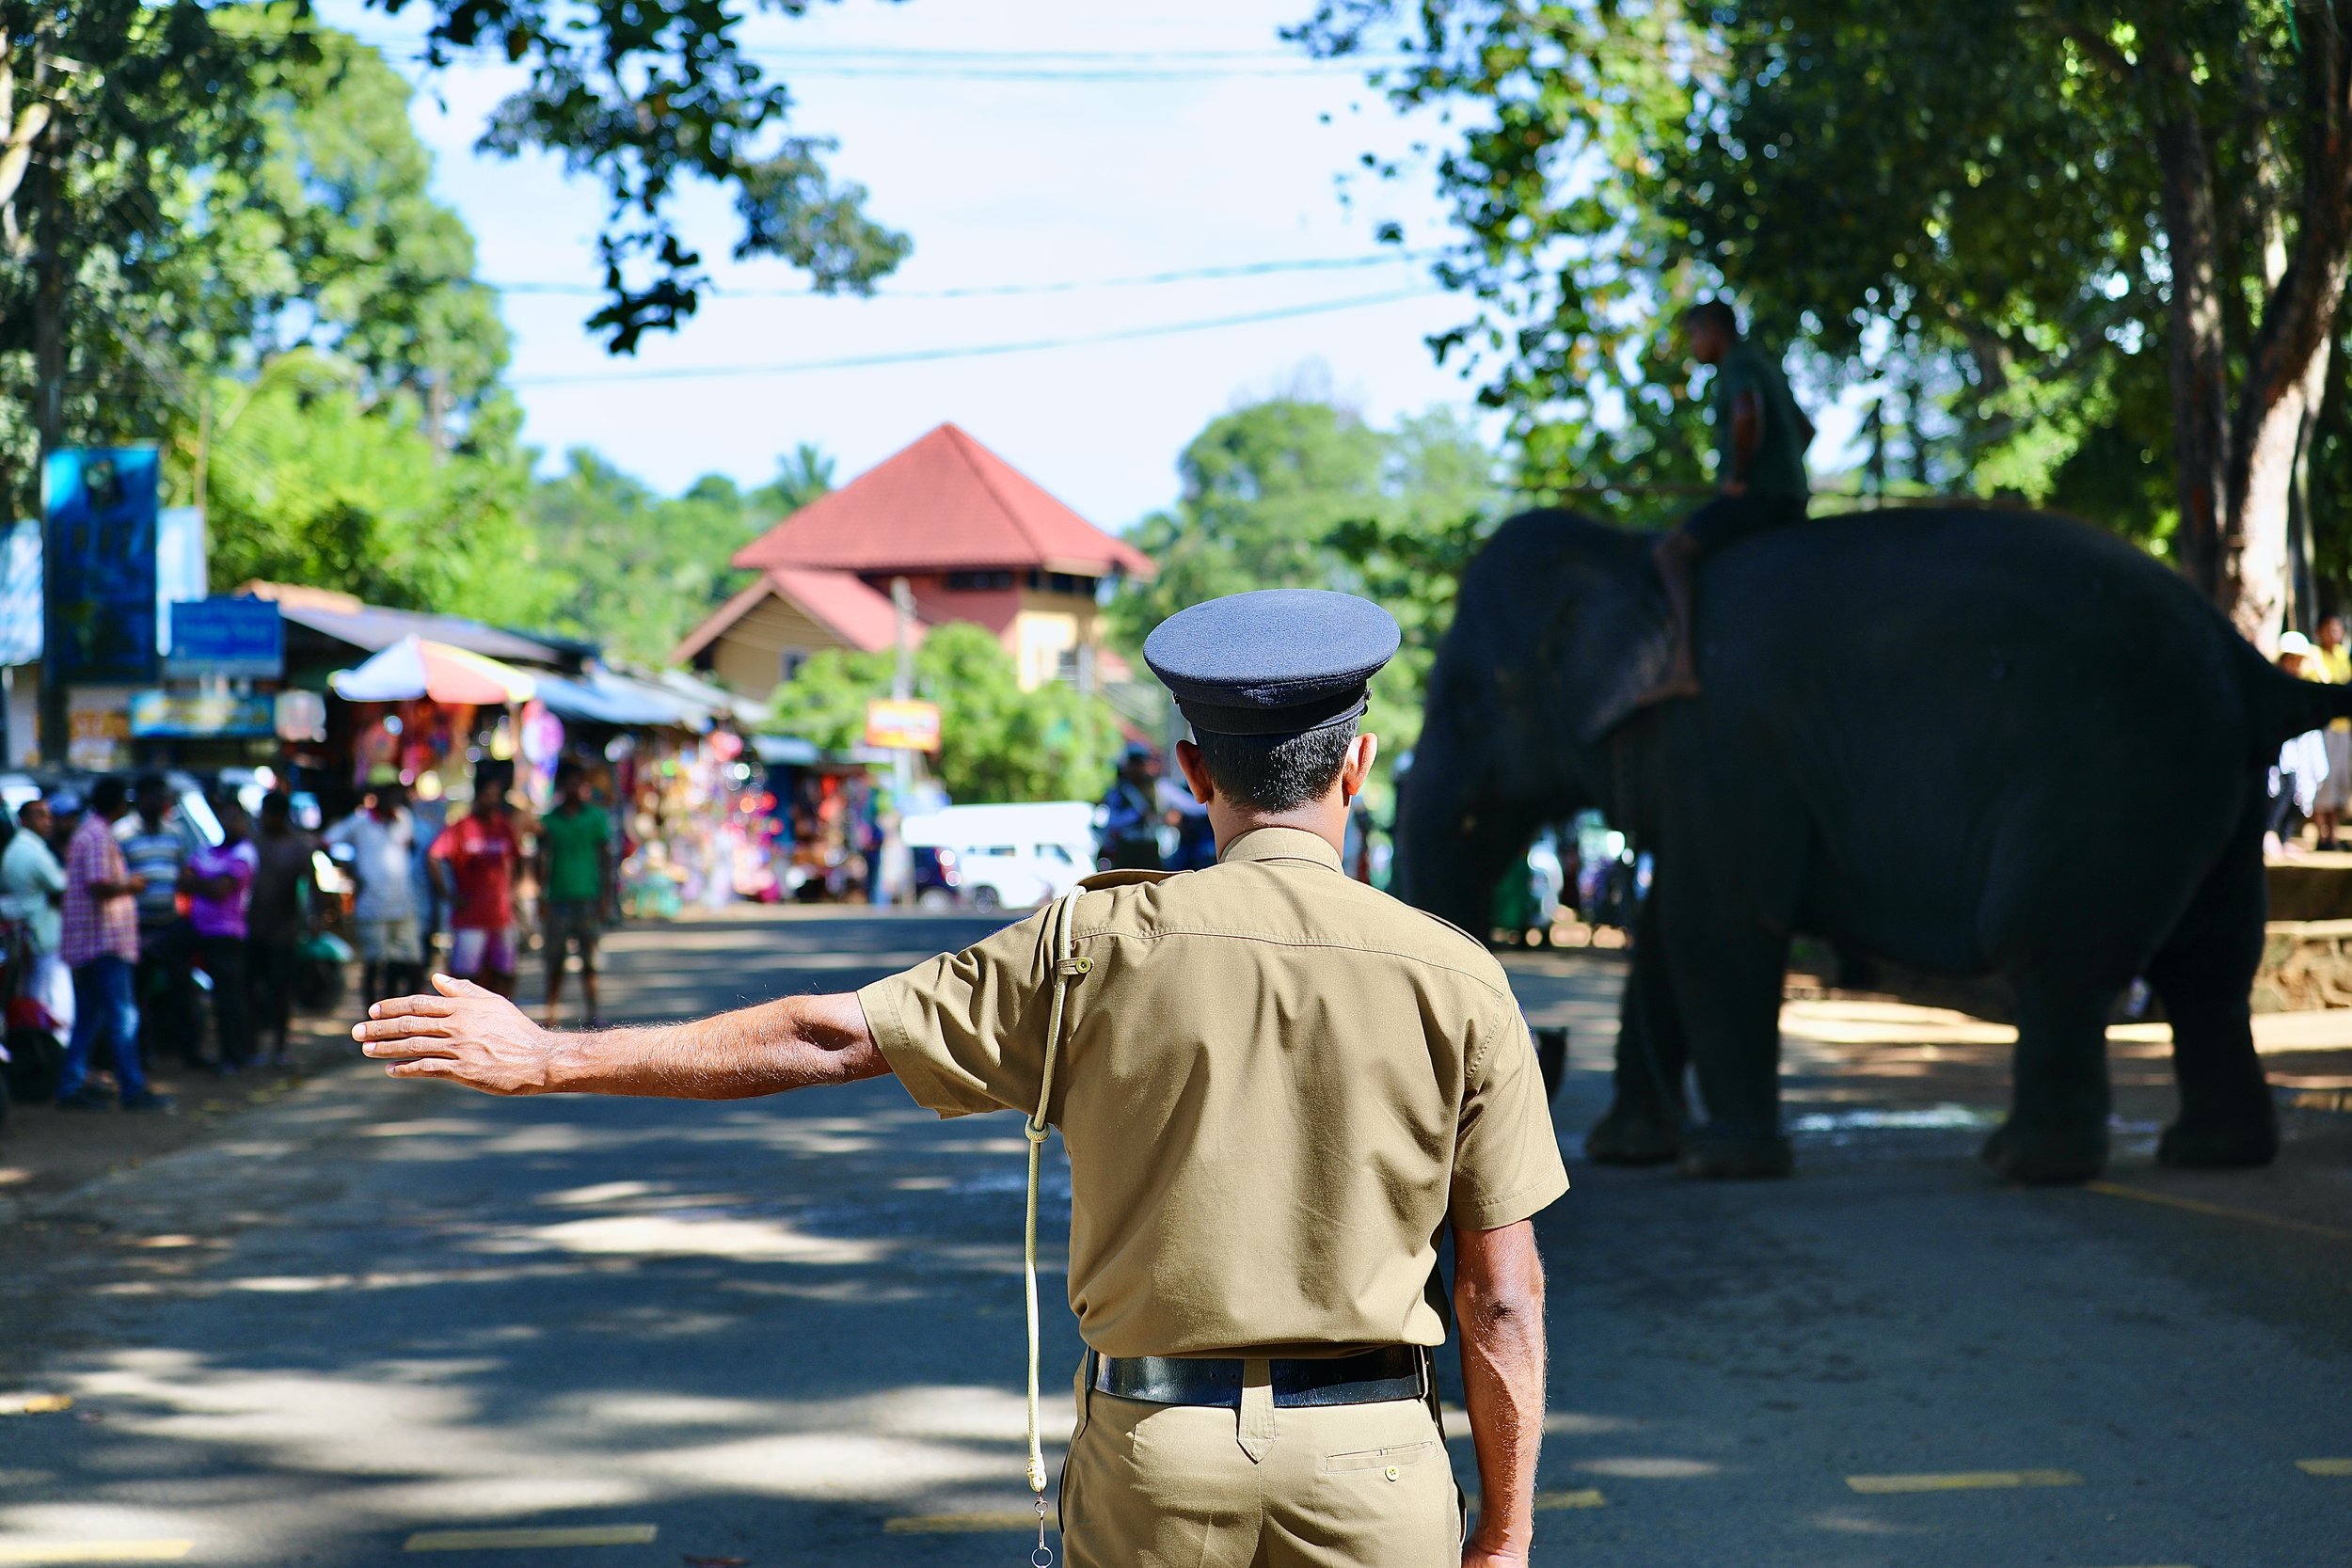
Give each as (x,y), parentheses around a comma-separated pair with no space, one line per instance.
(1196,771)
(1361,752)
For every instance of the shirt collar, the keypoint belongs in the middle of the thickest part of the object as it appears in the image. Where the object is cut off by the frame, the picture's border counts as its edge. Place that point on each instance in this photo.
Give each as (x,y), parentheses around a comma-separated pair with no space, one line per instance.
(1281,843)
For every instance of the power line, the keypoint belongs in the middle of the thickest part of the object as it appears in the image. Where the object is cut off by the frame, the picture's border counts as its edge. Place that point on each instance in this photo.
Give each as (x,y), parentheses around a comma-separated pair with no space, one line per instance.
(1014,65)
(974,351)
(982,290)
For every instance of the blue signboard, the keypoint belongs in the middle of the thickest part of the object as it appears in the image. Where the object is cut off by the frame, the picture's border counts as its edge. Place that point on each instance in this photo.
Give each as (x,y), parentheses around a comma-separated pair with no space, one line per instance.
(200,716)
(226,637)
(99,558)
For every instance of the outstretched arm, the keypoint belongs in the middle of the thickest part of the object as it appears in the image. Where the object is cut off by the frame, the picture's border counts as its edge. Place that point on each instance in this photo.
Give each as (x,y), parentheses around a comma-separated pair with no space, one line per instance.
(469,1036)
(1499,1304)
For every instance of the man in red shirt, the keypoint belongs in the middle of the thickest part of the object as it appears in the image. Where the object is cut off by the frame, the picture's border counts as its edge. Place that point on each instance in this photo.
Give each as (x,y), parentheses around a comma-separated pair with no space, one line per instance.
(474,860)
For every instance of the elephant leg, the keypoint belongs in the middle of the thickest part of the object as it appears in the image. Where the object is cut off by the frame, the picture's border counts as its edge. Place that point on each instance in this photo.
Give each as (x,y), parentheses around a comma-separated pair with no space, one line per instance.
(2202,974)
(2056,1130)
(1728,978)
(1643,1123)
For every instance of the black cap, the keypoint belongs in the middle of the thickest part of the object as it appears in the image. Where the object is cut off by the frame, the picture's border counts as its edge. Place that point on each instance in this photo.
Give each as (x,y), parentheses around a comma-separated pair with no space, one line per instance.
(1280,662)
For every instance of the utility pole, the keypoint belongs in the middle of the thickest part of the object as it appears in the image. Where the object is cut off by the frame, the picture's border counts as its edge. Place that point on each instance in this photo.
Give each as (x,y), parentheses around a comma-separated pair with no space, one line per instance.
(52,272)
(897,860)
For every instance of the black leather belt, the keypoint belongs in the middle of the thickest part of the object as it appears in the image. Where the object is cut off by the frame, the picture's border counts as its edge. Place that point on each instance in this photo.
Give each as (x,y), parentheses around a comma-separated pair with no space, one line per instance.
(1392,1373)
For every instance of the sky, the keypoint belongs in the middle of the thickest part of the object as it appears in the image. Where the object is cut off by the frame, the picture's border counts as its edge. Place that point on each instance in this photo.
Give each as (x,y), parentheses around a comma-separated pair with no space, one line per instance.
(1018,143)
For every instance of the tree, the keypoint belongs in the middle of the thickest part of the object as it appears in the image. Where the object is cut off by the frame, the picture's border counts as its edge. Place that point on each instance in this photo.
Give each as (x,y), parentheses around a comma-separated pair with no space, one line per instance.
(310,484)
(633,569)
(1262,488)
(803,474)
(2023,201)
(997,742)
(1291,493)
(645,98)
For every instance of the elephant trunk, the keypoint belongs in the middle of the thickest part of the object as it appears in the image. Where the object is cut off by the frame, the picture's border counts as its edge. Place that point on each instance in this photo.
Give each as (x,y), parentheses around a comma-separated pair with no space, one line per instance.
(1450,848)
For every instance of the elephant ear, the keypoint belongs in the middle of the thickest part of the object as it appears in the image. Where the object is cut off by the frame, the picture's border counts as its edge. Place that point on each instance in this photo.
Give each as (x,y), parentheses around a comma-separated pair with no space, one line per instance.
(1622,640)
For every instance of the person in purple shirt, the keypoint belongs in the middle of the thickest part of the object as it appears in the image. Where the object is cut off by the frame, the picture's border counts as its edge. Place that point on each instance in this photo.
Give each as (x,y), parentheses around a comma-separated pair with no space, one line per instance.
(218,880)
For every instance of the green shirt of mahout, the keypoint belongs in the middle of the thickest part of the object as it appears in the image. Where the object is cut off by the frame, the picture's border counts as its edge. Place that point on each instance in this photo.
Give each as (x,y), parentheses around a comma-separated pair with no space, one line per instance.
(1778,468)
(577,842)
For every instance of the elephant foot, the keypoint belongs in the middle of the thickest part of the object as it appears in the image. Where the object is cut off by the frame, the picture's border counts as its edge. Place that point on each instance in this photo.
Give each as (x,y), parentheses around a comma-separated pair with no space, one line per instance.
(2212,1144)
(1625,1137)
(1738,1159)
(2045,1156)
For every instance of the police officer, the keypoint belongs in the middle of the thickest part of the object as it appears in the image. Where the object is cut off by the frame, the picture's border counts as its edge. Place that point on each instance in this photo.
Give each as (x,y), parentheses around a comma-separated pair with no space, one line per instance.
(1131,818)
(1277,1087)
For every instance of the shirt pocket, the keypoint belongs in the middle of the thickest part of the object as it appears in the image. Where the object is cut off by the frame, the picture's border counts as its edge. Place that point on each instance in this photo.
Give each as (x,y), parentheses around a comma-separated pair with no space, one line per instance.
(1398,1456)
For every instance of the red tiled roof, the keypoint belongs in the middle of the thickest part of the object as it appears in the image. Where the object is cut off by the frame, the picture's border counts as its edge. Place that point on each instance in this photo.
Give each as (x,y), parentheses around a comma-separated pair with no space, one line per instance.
(946,504)
(837,601)
(859,616)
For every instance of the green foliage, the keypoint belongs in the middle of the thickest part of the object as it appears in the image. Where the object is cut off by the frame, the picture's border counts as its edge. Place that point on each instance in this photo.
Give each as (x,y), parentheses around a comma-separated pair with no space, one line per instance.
(348,248)
(646,98)
(1978,207)
(997,743)
(633,569)
(307,485)
(803,474)
(1292,492)
(1264,488)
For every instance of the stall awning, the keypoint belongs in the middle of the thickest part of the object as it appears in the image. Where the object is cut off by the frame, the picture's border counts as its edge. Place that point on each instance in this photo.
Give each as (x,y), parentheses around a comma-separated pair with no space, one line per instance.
(785,750)
(600,697)
(414,668)
(374,627)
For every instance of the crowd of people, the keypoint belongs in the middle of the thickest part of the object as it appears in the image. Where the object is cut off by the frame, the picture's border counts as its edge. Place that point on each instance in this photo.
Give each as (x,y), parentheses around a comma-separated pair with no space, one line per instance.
(140,927)
(2312,780)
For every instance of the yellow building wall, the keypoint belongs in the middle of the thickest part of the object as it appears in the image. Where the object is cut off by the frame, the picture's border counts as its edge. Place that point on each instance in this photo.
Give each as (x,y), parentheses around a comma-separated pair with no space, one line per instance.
(748,657)
(1046,626)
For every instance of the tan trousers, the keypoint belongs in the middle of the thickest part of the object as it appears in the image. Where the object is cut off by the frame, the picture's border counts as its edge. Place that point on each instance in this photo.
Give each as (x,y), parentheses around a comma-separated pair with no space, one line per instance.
(1187,1486)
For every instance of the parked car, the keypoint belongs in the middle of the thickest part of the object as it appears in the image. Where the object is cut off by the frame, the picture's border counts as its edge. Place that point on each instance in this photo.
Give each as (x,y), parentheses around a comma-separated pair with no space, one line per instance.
(1007,857)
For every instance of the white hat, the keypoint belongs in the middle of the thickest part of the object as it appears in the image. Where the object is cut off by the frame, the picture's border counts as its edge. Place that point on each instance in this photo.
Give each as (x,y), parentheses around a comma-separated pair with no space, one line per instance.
(2295,643)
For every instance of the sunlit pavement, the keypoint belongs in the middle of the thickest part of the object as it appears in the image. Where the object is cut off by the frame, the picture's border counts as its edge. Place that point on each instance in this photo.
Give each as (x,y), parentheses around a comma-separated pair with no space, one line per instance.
(374,1318)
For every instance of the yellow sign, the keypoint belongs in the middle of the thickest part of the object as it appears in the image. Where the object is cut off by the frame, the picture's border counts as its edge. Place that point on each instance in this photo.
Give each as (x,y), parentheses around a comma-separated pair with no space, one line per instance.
(902,724)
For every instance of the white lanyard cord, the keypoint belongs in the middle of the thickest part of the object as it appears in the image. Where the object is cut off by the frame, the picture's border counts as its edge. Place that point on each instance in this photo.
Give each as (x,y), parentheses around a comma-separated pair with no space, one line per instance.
(1066,969)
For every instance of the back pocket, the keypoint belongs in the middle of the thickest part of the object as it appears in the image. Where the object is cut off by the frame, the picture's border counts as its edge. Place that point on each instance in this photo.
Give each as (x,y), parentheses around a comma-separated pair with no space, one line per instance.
(1400,1456)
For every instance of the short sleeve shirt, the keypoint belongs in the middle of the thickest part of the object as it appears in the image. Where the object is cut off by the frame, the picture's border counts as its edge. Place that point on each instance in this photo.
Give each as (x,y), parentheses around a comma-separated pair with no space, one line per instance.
(157,854)
(381,851)
(93,927)
(1275,1086)
(576,843)
(223,917)
(1778,468)
(481,857)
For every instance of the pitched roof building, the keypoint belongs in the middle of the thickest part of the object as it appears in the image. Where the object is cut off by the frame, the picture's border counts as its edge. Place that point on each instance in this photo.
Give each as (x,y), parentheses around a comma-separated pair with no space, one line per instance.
(976,538)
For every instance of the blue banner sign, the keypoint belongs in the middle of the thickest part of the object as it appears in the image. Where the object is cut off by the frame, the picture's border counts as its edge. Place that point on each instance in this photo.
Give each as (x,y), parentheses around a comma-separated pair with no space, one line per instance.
(226,637)
(200,716)
(99,508)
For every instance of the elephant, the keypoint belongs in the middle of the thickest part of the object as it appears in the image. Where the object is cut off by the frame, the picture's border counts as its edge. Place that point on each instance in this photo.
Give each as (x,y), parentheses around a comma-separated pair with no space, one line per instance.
(1966,742)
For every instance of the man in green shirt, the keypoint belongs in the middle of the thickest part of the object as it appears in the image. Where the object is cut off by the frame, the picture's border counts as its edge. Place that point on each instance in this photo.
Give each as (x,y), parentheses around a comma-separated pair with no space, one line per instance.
(574,884)
(1760,438)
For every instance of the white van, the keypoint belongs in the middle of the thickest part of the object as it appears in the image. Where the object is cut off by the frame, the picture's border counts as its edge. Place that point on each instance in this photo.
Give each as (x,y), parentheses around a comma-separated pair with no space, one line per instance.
(1010,857)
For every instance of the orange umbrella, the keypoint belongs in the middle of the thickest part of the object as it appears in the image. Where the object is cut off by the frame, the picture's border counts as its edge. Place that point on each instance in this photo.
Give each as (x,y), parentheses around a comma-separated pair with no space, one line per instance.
(415,667)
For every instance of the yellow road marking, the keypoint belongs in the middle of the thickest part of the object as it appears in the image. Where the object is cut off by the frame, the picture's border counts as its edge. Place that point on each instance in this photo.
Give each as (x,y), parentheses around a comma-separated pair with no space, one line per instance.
(1964,1481)
(961,1524)
(1588,1498)
(94,1551)
(2198,1206)
(2324,1466)
(501,1540)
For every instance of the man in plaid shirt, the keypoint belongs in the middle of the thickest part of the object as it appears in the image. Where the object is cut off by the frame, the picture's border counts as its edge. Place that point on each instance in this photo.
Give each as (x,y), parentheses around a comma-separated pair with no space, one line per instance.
(99,943)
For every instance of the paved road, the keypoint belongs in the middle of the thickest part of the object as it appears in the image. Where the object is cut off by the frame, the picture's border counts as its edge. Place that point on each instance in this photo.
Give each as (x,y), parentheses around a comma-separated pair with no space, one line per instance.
(790,1332)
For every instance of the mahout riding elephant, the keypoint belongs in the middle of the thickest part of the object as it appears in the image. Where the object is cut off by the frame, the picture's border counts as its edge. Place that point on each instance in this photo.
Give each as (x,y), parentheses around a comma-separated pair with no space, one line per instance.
(1969,742)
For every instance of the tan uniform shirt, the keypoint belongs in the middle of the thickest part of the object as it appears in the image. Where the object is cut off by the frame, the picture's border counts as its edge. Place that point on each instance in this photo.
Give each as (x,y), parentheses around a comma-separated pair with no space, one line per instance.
(1276,1086)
